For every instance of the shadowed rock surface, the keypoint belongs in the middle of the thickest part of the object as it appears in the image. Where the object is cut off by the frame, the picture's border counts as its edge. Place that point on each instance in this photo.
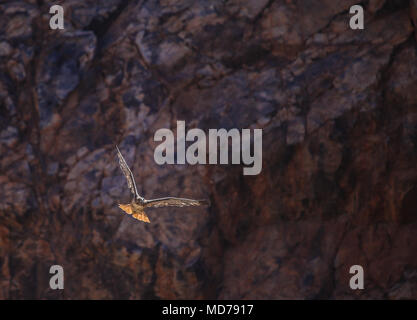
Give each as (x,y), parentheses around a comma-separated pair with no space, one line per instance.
(338,109)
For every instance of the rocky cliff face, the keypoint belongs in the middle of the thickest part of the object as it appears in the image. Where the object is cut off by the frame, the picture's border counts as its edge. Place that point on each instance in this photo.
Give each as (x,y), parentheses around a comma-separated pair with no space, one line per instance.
(338,109)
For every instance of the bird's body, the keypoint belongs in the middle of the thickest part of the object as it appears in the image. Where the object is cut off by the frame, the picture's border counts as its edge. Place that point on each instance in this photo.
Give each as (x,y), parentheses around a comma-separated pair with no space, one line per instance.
(138,204)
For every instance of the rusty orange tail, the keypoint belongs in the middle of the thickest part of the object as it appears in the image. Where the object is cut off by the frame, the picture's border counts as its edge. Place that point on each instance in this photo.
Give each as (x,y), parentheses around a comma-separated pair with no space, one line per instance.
(141,215)
(126,208)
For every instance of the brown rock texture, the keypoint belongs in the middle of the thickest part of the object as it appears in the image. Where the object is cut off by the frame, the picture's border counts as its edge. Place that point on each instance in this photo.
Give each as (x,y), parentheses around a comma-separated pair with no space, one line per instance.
(338,109)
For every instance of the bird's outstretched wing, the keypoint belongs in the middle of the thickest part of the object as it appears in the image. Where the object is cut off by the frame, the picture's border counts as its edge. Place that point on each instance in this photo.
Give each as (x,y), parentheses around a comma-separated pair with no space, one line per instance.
(128,174)
(173,202)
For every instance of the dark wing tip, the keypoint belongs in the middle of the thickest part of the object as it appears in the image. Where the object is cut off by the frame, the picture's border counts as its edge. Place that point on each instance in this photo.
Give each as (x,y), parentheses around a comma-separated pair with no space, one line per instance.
(204,202)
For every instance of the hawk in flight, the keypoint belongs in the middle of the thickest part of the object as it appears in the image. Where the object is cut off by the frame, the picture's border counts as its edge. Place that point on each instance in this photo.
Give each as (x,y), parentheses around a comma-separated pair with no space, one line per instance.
(138,204)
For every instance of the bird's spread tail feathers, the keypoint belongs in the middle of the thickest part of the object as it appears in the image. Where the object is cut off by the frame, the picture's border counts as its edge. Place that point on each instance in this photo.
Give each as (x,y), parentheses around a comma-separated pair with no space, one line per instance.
(126,208)
(137,215)
(141,216)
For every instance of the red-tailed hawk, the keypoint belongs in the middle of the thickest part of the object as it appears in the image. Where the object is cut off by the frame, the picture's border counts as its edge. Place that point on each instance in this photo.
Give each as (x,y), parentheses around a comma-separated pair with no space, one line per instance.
(138,204)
